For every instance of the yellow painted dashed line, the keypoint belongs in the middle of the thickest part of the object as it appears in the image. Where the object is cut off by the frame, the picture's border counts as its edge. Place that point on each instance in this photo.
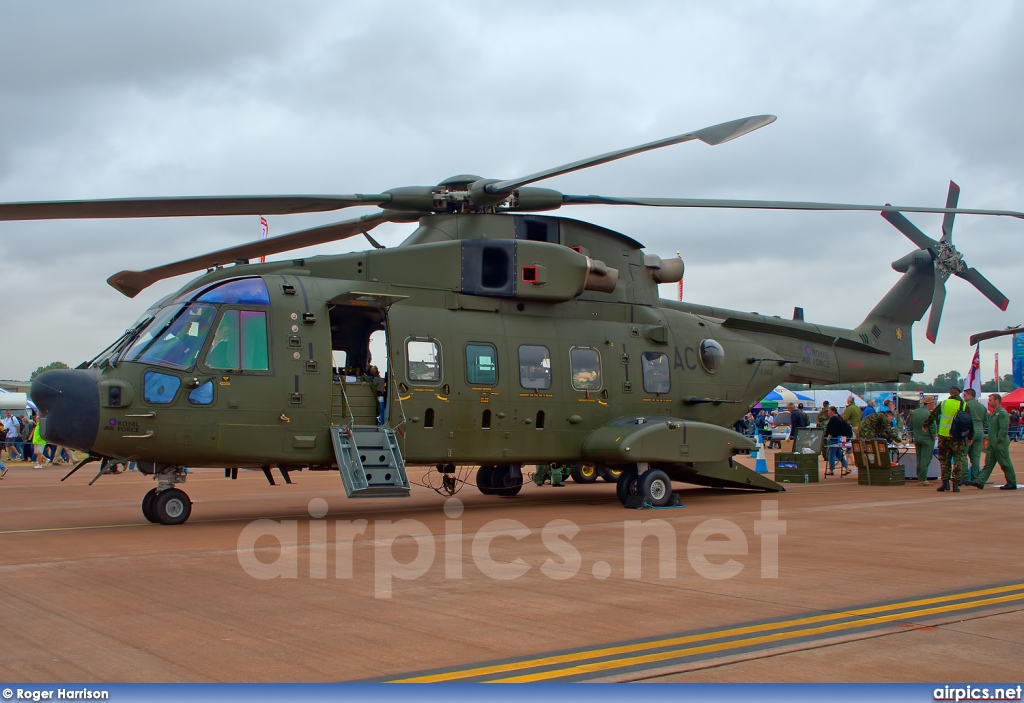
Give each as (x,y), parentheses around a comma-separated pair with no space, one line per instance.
(987,596)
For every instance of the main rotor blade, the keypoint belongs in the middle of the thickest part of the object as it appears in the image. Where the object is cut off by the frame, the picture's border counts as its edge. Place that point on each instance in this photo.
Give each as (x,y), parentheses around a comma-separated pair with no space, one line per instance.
(938,300)
(908,228)
(773,205)
(185,206)
(131,283)
(991,334)
(974,277)
(947,221)
(716,134)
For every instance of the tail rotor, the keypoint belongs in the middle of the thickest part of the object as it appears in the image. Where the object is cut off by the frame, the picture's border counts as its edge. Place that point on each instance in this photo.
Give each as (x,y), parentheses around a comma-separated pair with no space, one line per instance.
(947,259)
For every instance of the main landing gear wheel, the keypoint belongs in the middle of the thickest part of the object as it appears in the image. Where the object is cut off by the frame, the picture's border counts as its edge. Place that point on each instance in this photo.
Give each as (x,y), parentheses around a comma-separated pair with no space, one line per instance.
(147,505)
(172,507)
(583,473)
(484,479)
(627,486)
(507,480)
(656,488)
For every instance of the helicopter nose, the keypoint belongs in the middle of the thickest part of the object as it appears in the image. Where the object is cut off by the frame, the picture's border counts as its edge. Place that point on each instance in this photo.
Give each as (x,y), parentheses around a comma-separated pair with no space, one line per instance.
(69,401)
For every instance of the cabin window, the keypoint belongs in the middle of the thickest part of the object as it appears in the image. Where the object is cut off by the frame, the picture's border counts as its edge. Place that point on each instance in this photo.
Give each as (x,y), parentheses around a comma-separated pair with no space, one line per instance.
(174,337)
(711,355)
(481,364)
(534,367)
(203,395)
(242,291)
(586,368)
(240,343)
(424,360)
(656,372)
(160,388)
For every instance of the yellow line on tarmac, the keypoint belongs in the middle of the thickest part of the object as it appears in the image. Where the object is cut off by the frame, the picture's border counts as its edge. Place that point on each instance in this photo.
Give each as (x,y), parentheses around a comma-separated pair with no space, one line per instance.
(751,641)
(573,657)
(68,529)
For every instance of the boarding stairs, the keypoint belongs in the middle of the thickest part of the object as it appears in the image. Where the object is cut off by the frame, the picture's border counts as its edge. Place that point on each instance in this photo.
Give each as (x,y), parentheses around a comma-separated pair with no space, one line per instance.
(370,461)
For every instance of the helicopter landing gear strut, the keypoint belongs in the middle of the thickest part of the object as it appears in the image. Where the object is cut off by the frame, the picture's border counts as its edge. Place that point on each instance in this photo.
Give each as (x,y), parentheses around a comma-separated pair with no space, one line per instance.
(166,504)
(640,485)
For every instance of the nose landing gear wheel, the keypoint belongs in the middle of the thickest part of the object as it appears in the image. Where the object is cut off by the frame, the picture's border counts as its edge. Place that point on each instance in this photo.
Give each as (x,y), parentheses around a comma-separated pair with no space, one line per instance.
(172,507)
(147,505)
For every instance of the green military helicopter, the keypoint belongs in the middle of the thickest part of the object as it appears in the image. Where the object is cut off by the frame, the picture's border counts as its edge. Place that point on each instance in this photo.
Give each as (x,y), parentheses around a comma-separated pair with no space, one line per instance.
(509,338)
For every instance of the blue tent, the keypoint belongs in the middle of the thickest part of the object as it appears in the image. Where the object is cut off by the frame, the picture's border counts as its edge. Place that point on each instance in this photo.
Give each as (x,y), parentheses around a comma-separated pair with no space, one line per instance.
(784,395)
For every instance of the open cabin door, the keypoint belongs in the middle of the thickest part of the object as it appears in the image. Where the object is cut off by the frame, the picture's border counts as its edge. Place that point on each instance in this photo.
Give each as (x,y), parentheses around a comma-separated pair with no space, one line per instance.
(361,353)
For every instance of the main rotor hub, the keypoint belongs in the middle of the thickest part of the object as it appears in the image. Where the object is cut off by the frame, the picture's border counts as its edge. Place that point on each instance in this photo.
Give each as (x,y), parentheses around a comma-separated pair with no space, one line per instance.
(949,260)
(459,183)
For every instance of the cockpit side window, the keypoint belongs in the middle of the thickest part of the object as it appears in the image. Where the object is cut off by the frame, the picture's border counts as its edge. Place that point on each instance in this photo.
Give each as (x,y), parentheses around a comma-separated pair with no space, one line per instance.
(174,337)
(240,343)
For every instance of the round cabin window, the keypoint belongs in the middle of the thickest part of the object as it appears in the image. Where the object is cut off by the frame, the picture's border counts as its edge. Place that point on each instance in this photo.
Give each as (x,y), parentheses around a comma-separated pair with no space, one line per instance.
(712,356)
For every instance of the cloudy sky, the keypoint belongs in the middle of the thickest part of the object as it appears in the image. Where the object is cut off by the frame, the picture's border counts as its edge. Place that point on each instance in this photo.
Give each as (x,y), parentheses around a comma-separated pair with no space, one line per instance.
(877,102)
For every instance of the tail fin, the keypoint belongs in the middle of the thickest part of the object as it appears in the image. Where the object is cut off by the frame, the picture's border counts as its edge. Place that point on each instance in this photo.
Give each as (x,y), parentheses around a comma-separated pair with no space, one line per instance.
(888,324)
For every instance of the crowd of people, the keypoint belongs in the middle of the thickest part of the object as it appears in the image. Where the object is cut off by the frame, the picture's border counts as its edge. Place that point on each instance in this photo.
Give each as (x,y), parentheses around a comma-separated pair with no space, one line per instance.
(930,425)
(22,441)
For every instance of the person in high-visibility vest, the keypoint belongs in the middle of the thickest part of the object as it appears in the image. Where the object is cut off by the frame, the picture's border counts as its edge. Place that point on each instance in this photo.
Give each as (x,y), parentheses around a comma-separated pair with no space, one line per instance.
(952,452)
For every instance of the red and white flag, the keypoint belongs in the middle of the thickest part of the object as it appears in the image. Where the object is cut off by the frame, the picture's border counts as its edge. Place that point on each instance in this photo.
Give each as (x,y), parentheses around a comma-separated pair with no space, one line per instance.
(974,375)
(680,256)
(264,232)
(997,366)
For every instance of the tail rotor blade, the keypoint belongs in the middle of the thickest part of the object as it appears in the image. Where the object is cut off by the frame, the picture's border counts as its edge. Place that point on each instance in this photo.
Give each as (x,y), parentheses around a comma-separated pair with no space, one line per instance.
(919,238)
(947,221)
(974,277)
(938,300)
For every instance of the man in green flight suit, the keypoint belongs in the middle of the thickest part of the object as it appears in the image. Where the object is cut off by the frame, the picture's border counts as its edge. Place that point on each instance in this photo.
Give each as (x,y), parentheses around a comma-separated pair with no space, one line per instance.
(924,438)
(878,425)
(979,415)
(998,445)
(952,452)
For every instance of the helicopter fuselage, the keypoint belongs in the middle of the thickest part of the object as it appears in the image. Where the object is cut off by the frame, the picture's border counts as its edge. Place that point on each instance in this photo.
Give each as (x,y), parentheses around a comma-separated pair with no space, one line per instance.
(480,365)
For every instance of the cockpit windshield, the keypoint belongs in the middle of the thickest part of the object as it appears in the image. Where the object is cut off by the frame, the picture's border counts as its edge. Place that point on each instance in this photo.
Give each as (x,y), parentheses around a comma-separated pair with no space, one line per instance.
(174,337)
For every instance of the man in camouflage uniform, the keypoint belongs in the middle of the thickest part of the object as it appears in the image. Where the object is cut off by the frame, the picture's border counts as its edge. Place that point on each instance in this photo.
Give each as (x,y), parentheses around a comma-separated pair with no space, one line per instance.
(878,425)
(952,452)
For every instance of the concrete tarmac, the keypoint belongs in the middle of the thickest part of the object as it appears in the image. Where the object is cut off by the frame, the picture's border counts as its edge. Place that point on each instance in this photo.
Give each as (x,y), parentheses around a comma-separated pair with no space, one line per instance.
(867,583)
